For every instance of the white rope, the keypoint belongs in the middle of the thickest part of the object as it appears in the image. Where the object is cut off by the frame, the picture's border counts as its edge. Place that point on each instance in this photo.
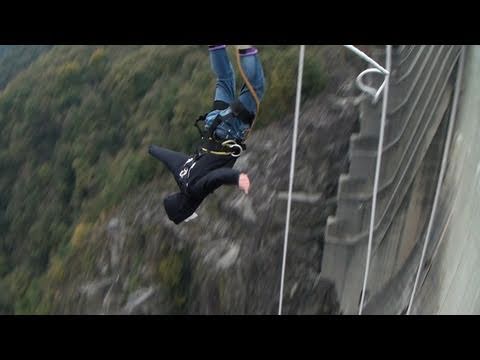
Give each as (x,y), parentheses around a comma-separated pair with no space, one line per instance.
(440,176)
(377,176)
(292,171)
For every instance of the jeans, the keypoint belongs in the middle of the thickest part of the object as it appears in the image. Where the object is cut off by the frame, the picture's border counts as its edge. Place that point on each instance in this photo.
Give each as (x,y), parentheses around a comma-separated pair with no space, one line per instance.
(225,87)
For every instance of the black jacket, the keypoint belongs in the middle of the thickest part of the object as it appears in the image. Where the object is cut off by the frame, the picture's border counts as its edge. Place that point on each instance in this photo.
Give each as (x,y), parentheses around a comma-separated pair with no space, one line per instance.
(209,173)
(196,176)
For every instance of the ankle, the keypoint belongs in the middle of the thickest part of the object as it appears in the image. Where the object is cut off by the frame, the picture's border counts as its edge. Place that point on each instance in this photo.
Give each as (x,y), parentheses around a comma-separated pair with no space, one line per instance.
(247,50)
(216,47)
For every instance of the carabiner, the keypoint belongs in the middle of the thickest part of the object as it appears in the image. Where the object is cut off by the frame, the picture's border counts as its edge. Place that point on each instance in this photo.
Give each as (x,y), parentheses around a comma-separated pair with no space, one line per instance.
(232,144)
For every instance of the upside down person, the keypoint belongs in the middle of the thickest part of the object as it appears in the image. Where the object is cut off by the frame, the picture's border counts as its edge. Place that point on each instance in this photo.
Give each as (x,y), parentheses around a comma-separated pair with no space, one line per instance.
(224,130)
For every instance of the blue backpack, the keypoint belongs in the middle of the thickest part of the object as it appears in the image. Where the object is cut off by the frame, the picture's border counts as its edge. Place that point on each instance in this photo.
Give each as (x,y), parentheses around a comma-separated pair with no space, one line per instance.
(228,128)
(233,123)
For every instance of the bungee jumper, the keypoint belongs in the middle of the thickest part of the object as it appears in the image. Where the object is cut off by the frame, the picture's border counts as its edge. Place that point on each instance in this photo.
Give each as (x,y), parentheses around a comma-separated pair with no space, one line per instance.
(223,133)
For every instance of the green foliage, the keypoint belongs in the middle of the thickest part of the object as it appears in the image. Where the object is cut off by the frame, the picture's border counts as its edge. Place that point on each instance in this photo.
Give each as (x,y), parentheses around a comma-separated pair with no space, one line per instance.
(6,301)
(3,265)
(76,124)
(170,270)
(173,273)
(14,59)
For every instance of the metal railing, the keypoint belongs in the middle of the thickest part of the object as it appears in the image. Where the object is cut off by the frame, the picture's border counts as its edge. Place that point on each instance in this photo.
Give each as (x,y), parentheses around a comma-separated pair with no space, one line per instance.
(377,69)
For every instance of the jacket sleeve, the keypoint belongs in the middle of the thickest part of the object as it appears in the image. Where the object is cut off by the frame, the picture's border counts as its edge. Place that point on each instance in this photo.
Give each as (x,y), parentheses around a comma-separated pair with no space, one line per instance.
(213,180)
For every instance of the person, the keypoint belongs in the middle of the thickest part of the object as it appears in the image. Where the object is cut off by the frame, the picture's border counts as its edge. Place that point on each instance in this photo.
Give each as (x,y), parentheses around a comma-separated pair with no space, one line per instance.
(224,131)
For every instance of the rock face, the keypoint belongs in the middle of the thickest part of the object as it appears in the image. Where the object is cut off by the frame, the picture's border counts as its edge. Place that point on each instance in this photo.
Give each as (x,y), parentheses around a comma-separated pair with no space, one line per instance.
(228,260)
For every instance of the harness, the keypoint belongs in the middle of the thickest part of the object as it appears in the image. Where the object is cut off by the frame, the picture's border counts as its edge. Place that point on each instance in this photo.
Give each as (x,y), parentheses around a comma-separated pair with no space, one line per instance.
(211,142)
(184,174)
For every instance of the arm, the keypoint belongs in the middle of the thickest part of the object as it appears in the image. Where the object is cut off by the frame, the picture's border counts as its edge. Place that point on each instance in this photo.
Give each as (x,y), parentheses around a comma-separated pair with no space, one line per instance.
(213,180)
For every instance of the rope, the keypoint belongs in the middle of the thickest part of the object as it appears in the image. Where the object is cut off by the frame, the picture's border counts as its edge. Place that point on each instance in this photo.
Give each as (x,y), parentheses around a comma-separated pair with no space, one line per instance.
(377,177)
(292,172)
(250,88)
(440,177)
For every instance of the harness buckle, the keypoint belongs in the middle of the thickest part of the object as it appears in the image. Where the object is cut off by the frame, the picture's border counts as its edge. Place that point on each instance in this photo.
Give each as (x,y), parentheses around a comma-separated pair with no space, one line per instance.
(231,144)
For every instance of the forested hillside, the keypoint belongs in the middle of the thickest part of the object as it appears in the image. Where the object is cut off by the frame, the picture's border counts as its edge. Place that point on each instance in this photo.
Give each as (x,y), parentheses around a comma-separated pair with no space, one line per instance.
(75,124)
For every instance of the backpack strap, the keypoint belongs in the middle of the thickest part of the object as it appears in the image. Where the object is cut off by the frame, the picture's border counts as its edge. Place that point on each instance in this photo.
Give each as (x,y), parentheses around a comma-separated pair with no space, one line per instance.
(239,111)
(219,105)
(199,128)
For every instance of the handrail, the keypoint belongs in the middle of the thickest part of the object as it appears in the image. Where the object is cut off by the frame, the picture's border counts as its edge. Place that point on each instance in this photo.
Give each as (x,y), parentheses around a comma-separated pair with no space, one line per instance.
(377,69)
(368,89)
(367,58)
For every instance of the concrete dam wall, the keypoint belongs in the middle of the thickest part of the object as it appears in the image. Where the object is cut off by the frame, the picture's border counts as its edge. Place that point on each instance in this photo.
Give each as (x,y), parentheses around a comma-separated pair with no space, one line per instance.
(421,110)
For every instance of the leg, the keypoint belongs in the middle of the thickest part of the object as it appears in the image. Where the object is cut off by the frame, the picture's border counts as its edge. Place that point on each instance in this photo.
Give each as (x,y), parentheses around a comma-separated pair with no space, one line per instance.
(173,160)
(221,66)
(252,67)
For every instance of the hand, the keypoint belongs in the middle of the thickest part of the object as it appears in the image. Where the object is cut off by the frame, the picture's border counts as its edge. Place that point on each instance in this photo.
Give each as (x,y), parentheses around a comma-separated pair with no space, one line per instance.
(244,183)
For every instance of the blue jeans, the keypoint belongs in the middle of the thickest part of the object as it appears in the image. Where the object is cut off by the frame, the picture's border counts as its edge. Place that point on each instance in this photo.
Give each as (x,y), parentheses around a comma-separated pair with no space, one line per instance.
(225,87)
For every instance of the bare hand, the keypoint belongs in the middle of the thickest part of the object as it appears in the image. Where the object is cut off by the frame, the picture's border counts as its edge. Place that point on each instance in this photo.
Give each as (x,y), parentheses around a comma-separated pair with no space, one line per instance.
(244,183)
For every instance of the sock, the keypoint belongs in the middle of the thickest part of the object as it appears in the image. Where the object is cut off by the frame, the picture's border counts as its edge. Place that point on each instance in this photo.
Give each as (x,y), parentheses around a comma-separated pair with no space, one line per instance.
(216,47)
(247,51)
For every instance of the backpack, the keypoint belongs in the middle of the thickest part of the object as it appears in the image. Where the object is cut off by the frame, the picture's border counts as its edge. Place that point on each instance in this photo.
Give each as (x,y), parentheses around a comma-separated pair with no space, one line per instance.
(232,123)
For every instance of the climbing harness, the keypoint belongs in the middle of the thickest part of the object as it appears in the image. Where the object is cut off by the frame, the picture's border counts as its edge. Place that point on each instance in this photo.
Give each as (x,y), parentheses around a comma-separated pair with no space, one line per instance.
(220,125)
(185,172)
